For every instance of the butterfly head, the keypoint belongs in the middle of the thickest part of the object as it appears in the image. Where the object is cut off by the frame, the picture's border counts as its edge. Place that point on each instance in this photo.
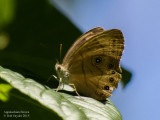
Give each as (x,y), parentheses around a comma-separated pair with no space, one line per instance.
(62,72)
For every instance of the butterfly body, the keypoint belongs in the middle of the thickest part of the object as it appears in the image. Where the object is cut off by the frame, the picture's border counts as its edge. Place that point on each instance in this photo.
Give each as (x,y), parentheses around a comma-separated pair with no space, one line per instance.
(92,64)
(62,73)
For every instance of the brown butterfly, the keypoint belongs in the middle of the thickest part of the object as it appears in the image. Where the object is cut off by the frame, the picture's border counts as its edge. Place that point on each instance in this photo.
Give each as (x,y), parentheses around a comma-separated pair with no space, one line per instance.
(92,64)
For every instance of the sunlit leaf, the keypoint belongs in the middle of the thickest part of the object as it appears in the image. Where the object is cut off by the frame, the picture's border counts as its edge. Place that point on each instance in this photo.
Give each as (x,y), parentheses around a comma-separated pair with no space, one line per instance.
(66,106)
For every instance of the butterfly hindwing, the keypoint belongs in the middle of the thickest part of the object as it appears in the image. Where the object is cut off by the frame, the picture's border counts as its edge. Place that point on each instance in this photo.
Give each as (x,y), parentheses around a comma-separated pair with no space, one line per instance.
(95,65)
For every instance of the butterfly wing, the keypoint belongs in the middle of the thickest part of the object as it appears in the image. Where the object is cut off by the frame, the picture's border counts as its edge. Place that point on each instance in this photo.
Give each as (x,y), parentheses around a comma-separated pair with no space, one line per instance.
(94,66)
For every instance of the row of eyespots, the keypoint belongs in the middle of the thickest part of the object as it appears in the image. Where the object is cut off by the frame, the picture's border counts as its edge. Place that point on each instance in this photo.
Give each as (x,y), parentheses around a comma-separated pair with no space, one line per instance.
(98,60)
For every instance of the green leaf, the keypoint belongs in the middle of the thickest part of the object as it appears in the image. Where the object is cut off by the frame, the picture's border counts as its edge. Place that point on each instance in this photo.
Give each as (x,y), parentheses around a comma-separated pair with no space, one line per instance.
(64,105)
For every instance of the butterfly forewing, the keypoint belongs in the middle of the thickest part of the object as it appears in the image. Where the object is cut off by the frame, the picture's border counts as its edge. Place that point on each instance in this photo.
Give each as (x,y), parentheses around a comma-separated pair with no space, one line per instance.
(79,43)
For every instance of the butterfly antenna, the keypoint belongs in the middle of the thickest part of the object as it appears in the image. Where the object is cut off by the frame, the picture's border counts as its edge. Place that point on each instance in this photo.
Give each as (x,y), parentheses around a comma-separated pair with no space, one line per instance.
(57,61)
(60,52)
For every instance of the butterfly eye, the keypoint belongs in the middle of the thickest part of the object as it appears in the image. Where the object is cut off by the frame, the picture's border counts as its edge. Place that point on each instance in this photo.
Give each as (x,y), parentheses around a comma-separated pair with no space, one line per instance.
(58,68)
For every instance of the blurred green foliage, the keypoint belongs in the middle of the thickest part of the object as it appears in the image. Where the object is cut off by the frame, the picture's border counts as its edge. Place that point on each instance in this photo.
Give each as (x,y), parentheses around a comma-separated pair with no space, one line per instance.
(4,92)
(34,37)
(7,11)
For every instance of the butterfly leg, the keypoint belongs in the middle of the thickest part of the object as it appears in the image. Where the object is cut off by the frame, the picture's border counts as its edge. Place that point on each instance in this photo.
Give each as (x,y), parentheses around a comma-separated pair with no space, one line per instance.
(74,87)
(51,77)
(60,81)
(55,77)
